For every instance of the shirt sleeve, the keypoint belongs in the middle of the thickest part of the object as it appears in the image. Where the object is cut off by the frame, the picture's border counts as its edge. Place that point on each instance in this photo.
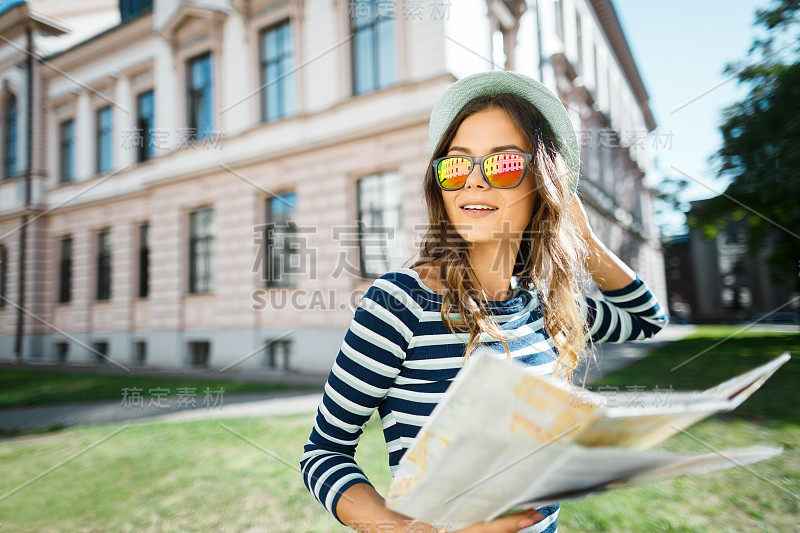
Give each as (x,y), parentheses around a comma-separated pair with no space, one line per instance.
(626,314)
(371,354)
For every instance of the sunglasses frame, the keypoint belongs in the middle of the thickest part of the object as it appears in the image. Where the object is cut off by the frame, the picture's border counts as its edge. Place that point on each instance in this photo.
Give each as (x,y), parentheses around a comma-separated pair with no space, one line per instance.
(478,161)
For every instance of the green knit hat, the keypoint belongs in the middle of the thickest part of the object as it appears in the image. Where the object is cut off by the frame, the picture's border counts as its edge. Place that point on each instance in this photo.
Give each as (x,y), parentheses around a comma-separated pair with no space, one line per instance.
(493,82)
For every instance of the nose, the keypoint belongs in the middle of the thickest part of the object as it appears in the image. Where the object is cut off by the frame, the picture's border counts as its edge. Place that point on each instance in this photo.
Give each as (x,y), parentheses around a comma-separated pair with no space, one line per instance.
(475,178)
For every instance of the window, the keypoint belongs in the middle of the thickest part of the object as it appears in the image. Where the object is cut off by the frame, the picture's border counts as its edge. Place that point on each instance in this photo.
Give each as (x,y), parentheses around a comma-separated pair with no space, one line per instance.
(10,137)
(499,57)
(200,95)
(145,120)
(281,245)
(103,145)
(579,38)
(379,208)
(144,260)
(65,271)
(100,352)
(201,249)
(277,354)
(373,48)
(604,179)
(199,353)
(103,289)
(3,275)
(140,353)
(559,9)
(66,159)
(130,9)
(276,76)
(596,164)
(62,352)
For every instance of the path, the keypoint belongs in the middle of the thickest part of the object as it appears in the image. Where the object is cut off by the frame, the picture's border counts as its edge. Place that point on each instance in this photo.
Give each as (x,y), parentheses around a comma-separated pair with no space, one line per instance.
(609,358)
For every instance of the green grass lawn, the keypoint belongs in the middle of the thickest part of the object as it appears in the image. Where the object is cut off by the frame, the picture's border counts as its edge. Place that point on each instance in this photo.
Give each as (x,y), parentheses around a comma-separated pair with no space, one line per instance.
(776,401)
(203,477)
(25,387)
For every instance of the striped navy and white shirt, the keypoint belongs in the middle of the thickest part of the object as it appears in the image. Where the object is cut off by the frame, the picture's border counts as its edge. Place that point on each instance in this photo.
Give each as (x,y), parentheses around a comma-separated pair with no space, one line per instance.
(399,357)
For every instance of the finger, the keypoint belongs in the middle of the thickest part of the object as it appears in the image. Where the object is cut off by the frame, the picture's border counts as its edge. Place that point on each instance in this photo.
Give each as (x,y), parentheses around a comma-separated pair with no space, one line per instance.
(515,522)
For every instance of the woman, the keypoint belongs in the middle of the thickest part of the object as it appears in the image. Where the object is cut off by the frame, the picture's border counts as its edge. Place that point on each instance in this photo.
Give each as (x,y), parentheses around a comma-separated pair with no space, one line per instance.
(499,267)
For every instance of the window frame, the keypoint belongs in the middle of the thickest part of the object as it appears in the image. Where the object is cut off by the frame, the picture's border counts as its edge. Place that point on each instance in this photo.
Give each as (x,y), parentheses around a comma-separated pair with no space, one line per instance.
(147,150)
(132,9)
(192,95)
(559,16)
(578,43)
(103,270)
(140,352)
(66,147)
(194,351)
(283,278)
(62,351)
(371,28)
(286,85)
(382,210)
(3,274)
(104,147)
(96,346)
(195,241)
(270,361)
(143,260)
(10,137)
(65,270)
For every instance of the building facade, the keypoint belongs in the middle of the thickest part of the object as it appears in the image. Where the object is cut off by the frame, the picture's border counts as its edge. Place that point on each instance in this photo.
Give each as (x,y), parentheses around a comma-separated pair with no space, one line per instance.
(216,183)
(719,281)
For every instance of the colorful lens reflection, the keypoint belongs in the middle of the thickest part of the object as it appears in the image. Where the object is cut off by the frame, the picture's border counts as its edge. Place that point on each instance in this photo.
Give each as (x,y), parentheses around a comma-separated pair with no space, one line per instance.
(504,170)
(453,172)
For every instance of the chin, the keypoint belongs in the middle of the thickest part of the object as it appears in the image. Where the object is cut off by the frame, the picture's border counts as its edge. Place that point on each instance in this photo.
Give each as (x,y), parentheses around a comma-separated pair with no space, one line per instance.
(477,235)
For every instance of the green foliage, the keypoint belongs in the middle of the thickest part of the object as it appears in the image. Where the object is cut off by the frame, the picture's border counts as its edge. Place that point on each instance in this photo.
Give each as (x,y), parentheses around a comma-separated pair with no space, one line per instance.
(761,146)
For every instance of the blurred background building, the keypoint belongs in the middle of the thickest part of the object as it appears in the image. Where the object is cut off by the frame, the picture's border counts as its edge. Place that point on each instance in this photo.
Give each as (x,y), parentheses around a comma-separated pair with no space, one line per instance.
(216,183)
(719,281)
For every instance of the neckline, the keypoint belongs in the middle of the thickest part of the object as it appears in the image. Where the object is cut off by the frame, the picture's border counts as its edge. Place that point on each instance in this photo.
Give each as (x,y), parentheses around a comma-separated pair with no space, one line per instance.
(512,301)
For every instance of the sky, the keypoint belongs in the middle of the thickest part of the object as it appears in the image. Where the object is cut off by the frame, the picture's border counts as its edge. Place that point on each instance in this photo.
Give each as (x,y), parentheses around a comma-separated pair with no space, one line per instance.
(681,48)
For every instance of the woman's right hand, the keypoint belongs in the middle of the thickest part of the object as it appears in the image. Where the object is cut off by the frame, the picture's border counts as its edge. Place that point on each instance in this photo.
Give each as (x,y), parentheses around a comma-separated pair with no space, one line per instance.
(507,524)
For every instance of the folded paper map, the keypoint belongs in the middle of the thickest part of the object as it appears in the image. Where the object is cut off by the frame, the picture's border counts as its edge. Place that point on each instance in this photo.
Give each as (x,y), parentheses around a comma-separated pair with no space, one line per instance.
(503,438)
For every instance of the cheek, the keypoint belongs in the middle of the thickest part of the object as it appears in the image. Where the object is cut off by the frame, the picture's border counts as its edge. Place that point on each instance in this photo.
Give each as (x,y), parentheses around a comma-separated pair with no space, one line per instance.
(449,204)
(521,206)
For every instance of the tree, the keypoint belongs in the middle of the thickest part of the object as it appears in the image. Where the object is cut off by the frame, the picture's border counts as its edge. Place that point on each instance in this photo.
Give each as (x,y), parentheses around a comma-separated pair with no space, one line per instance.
(761,146)
(667,202)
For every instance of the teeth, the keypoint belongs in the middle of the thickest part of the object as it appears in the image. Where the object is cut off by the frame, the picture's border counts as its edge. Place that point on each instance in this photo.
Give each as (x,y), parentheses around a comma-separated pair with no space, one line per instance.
(476,206)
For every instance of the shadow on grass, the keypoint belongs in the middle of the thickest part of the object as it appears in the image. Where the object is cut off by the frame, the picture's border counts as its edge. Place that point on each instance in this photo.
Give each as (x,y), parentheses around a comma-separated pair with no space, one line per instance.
(25,432)
(776,401)
(37,387)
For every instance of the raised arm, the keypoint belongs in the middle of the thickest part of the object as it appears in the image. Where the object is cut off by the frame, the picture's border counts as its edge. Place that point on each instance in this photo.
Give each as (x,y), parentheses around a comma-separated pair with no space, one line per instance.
(628,310)
(608,271)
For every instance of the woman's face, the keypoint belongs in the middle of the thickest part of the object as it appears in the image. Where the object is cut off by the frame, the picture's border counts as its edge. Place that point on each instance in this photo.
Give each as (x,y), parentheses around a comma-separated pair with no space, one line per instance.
(484,132)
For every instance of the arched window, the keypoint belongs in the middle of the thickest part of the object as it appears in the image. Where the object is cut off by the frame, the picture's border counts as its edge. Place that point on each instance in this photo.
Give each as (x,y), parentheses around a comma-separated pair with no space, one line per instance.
(10,137)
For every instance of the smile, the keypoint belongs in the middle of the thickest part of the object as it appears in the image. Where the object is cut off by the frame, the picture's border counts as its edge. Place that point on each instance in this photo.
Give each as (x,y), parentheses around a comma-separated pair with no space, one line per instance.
(478,210)
(470,207)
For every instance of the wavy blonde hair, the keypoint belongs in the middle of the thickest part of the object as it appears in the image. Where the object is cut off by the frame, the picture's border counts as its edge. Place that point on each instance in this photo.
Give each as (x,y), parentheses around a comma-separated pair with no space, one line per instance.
(551,252)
